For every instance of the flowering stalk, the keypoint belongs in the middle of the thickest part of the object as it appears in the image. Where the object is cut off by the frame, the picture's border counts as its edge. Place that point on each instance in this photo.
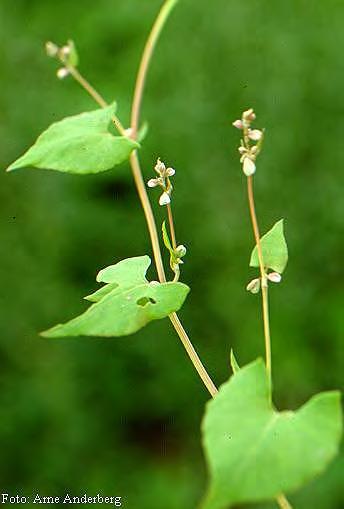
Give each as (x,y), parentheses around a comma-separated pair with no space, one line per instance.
(163,181)
(249,153)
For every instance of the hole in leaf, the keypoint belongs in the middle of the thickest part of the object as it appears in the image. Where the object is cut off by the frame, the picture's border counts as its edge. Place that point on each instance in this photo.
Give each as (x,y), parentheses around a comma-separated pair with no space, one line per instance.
(145,300)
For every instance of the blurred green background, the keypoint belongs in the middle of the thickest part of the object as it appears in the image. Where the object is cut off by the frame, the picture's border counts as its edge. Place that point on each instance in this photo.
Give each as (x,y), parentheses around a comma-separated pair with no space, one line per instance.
(122,416)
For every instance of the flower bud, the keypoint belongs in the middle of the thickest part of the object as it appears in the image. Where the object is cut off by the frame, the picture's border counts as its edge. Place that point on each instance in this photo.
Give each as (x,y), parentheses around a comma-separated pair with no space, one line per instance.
(274,277)
(160,168)
(153,182)
(164,199)
(62,73)
(180,251)
(238,124)
(51,49)
(65,51)
(128,132)
(170,172)
(255,134)
(249,115)
(253,286)
(249,167)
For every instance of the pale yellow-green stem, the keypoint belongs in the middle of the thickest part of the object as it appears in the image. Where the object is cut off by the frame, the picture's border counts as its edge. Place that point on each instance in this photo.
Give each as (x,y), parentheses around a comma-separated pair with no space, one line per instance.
(171,224)
(148,51)
(137,173)
(281,499)
(265,300)
(283,502)
(96,96)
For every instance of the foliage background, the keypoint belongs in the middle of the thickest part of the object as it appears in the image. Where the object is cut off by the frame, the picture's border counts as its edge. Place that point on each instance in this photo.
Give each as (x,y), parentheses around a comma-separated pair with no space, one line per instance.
(122,416)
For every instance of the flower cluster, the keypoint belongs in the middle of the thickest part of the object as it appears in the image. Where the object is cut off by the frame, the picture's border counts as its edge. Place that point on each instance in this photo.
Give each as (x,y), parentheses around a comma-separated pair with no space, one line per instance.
(163,181)
(248,151)
(255,285)
(67,55)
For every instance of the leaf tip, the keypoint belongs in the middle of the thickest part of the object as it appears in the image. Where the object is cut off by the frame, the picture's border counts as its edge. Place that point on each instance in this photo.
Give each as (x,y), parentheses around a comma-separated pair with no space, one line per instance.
(53,332)
(11,167)
(234,364)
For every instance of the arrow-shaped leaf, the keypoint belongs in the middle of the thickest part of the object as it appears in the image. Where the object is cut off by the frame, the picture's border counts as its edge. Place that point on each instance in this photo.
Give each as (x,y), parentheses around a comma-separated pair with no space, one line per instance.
(80,144)
(125,304)
(274,249)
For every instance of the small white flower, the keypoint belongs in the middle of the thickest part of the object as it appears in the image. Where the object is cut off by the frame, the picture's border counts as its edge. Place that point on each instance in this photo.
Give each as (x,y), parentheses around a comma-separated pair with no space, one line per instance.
(275,277)
(255,134)
(153,182)
(249,167)
(154,283)
(242,150)
(170,172)
(65,50)
(253,286)
(238,124)
(249,115)
(164,199)
(180,251)
(128,132)
(160,168)
(51,49)
(164,172)
(62,73)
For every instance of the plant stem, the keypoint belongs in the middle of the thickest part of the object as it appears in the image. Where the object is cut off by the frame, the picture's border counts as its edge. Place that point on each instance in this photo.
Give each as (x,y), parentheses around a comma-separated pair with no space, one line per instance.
(138,178)
(193,354)
(148,51)
(171,223)
(265,299)
(173,239)
(281,499)
(147,209)
(152,40)
(96,96)
(283,502)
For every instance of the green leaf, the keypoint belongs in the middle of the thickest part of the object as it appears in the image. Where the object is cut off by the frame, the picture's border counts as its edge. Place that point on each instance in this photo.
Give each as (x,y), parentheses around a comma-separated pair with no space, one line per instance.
(274,249)
(143,131)
(234,363)
(125,304)
(80,144)
(73,57)
(99,294)
(166,238)
(255,453)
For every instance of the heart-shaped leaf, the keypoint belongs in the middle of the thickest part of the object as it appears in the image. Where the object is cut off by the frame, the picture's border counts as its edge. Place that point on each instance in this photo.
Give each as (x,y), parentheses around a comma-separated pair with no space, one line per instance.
(80,144)
(274,249)
(255,453)
(125,304)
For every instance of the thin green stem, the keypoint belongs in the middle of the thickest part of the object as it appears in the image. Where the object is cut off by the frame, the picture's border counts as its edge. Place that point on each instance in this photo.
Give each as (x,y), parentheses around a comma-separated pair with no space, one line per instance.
(265,300)
(283,502)
(148,212)
(152,40)
(96,96)
(193,354)
(171,224)
(148,51)
(281,499)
